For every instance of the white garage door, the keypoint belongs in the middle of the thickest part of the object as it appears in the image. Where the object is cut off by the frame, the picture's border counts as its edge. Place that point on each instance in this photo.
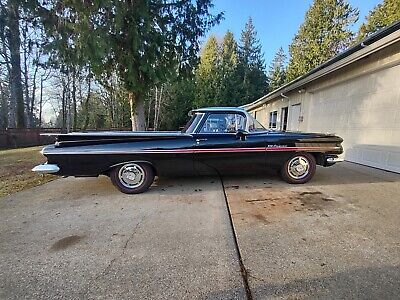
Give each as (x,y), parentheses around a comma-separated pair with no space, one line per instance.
(365,112)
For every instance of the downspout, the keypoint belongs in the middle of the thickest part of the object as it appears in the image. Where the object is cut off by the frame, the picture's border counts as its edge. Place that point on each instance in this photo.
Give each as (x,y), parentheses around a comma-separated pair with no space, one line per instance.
(284,96)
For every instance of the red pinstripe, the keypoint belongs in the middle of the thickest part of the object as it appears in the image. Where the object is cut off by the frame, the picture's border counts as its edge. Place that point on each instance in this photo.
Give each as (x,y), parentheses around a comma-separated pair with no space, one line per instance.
(234,150)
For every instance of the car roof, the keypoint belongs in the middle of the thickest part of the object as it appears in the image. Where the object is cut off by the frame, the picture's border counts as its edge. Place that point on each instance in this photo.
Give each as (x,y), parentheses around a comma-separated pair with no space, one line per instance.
(220,109)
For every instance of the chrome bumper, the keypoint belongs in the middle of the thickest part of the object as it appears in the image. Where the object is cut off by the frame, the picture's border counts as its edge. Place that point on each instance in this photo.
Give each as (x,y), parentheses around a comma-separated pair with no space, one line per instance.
(46,169)
(334,159)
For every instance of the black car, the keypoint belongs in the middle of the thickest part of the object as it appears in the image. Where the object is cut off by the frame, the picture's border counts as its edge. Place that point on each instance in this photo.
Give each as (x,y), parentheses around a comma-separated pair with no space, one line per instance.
(217,140)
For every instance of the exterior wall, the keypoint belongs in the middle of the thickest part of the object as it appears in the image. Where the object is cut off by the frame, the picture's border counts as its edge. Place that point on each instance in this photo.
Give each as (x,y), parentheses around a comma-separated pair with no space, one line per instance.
(360,103)
(262,114)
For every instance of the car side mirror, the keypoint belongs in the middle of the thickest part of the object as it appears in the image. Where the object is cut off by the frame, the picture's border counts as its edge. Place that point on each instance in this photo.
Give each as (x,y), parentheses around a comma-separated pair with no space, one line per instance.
(241,134)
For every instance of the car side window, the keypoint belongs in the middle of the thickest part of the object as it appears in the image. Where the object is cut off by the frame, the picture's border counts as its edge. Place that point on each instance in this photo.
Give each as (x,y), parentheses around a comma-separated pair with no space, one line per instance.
(223,123)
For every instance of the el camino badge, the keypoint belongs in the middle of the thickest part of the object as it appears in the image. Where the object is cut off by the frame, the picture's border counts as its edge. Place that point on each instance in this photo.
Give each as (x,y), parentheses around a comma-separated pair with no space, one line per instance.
(276,146)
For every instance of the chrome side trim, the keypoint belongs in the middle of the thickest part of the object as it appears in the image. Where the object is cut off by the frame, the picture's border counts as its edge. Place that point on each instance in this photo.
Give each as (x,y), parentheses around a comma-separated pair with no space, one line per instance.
(46,169)
(334,159)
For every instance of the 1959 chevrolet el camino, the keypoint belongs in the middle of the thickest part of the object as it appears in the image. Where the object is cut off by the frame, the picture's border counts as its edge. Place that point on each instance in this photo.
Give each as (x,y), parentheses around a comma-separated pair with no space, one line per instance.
(217,140)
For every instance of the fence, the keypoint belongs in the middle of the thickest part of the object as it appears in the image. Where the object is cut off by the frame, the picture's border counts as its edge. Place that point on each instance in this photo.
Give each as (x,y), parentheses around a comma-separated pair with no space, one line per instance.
(27,137)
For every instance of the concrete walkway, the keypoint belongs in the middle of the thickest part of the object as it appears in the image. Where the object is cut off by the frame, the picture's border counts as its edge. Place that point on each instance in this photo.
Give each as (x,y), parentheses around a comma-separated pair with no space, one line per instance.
(80,238)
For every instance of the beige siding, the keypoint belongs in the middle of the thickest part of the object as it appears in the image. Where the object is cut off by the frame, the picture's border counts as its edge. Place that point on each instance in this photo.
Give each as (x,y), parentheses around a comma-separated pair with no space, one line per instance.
(262,116)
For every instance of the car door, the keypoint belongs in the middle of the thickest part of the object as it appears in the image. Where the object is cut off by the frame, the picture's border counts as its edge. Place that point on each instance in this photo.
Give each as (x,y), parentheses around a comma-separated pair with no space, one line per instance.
(223,146)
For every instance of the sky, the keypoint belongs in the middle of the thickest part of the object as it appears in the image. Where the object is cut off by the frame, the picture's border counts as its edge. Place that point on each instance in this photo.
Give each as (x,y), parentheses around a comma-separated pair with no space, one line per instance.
(276,21)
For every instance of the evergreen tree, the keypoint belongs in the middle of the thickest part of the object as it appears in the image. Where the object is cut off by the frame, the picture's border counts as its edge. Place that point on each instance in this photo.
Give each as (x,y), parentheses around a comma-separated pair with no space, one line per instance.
(207,75)
(324,33)
(251,65)
(229,77)
(179,102)
(142,41)
(382,15)
(276,74)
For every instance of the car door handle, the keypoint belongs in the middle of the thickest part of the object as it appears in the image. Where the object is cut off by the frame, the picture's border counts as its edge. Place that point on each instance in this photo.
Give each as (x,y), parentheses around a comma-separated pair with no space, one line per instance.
(200,140)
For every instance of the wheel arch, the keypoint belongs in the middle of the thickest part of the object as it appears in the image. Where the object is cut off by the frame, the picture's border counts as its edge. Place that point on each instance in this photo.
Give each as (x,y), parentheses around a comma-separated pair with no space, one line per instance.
(319,157)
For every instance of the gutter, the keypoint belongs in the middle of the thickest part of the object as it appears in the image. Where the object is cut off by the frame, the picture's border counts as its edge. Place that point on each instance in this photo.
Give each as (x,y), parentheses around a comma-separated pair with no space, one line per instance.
(381,39)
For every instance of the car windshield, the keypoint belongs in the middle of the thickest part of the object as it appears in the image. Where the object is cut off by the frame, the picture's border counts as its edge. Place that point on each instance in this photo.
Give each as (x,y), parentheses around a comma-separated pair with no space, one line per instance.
(222,122)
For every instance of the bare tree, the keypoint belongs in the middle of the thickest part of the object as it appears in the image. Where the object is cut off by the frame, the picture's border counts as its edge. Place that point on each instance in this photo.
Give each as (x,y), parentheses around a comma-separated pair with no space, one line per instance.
(44,76)
(157,106)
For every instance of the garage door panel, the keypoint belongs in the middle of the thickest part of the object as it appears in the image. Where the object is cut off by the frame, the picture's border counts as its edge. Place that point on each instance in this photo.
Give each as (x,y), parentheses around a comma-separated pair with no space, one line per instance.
(382,99)
(394,161)
(357,118)
(380,118)
(366,113)
(341,122)
(394,137)
(383,157)
(397,118)
(377,137)
(387,78)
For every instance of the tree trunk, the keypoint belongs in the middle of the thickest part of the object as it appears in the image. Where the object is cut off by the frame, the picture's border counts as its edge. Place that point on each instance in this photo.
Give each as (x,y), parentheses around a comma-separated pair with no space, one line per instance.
(10,102)
(74,111)
(86,108)
(136,104)
(63,107)
(4,108)
(155,110)
(158,109)
(11,105)
(25,75)
(33,97)
(15,59)
(148,114)
(41,102)
(68,102)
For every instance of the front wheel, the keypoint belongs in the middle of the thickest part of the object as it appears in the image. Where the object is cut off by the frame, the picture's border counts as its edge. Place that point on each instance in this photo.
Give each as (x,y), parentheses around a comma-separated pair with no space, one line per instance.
(299,168)
(132,178)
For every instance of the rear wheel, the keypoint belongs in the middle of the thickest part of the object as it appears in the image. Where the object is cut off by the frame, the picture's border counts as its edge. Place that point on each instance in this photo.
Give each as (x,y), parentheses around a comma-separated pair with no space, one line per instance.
(299,168)
(132,178)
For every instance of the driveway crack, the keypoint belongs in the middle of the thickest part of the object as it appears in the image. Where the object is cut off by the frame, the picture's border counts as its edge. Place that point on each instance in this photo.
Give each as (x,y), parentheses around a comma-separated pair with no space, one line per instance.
(244,272)
(124,247)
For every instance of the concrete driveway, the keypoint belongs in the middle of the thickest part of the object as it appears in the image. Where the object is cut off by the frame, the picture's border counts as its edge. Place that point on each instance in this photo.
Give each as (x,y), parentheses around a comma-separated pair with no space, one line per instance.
(336,237)
(80,238)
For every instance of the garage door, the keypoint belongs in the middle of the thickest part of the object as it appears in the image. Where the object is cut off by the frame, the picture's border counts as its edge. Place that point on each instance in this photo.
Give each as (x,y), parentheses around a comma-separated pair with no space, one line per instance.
(366,113)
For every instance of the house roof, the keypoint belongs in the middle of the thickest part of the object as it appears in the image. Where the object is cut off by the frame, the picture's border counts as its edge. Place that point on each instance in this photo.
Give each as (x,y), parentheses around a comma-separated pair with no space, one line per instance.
(380,39)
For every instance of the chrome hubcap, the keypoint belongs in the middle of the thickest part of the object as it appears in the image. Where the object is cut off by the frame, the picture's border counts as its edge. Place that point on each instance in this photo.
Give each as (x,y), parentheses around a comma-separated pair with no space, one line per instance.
(298,167)
(131,175)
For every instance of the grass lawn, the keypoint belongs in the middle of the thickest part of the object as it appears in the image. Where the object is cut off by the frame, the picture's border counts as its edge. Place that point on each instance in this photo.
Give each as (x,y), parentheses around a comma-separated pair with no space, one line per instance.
(15,170)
